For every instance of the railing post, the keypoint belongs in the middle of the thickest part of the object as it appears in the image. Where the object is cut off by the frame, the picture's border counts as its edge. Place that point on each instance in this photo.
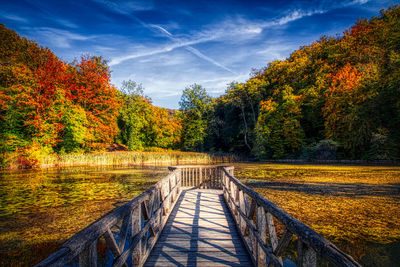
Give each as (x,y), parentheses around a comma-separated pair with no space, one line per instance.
(88,257)
(185,177)
(243,209)
(261,228)
(201,178)
(191,176)
(136,227)
(182,176)
(196,177)
(219,170)
(271,230)
(307,257)
(180,179)
(209,178)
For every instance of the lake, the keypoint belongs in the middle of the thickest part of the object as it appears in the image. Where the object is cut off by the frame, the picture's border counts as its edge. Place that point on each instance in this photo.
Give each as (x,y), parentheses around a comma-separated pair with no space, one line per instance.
(41,209)
(357,208)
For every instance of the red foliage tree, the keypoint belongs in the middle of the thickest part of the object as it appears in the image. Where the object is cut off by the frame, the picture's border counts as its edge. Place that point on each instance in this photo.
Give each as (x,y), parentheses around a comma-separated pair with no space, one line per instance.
(90,88)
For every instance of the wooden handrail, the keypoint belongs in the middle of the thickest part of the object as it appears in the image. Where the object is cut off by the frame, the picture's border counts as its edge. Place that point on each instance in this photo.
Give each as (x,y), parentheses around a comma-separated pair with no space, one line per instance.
(256,219)
(142,221)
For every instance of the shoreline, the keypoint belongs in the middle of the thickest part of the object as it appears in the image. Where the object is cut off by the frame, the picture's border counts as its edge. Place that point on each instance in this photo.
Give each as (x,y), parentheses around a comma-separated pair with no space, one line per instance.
(114,159)
(124,158)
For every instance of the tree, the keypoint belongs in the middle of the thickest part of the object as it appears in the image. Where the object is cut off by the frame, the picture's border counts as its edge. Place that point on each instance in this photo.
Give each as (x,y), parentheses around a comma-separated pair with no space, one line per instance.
(195,106)
(91,89)
(143,125)
(278,130)
(345,110)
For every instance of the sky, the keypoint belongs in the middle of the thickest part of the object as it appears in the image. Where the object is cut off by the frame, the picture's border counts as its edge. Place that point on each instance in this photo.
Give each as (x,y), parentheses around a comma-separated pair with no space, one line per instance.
(169,45)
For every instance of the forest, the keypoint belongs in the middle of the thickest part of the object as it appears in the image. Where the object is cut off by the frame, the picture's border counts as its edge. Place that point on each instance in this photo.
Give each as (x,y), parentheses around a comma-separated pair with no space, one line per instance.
(337,98)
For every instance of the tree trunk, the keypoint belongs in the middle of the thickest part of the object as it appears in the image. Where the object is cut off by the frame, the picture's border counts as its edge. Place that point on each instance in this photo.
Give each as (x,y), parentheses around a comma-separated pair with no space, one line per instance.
(245,128)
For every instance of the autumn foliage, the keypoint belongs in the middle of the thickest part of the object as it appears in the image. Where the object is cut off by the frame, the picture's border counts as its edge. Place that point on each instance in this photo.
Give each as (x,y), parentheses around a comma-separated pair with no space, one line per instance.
(49,106)
(341,94)
(335,98)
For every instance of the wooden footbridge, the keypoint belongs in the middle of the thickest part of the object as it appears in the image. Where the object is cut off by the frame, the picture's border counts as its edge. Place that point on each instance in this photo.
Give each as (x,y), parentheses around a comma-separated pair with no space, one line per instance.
(198,216)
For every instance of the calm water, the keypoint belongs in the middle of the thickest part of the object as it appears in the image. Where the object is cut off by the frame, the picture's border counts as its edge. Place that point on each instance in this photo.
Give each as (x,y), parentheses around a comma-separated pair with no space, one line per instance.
(355,207)
(358,208)
(41,209)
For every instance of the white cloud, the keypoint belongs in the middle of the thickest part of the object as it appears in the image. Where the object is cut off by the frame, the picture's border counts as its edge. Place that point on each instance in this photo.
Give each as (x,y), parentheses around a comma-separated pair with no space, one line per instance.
(59,38)
(163,30)
(230,30)
(361,2)
(127,6)
(67,23)
(14,18)
(295,15)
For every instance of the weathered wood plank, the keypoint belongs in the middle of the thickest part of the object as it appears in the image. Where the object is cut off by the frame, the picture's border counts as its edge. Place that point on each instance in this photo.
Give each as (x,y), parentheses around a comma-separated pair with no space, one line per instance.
(261,220)
(215,243)
(136,227)
(307,257)
(88,257)
(226,246)
(211,254)
(196,263)
(283,242)
(199,232)
(271,230)
(110,241)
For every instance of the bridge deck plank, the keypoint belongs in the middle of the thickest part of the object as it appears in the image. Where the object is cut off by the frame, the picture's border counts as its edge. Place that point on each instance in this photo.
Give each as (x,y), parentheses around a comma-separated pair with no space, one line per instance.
(200,232)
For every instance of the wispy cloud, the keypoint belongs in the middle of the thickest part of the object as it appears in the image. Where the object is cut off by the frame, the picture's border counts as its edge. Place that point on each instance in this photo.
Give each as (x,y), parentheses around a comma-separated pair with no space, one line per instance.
(226,30)
(237,30)
(193,50)
(126,7)
(66,23)
(14,18)
(354,2)
(177,43)
(295,15)
(59,38)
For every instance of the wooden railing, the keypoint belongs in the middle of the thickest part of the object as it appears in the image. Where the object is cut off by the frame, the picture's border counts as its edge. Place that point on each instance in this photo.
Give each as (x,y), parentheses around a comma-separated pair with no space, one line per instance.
(125,236)
(255,217)
(200,176)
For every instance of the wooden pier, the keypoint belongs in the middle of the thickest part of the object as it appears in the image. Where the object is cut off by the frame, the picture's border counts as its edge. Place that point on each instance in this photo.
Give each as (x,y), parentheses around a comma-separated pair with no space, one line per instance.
(198,216)
(200,231)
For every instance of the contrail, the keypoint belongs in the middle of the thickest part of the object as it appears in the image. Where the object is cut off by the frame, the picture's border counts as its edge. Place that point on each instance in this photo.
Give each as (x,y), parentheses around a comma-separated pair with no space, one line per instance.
(191,49)
(179,44)
(294,15)
(201,55)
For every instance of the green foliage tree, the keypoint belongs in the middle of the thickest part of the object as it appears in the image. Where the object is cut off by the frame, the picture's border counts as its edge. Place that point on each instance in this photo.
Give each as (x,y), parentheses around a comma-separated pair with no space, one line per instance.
(143,125)
(130,120)
(278,130)
(195,107)
(343,89)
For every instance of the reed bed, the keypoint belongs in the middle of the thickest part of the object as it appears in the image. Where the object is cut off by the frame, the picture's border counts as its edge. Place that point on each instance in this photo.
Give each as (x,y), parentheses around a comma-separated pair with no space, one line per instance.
(125,158)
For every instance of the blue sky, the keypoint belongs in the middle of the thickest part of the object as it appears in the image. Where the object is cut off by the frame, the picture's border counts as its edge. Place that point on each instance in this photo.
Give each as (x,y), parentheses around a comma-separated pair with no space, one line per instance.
(168,45)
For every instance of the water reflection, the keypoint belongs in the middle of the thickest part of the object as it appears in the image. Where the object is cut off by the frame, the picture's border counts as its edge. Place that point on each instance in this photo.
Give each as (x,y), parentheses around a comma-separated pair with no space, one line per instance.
(356,207)
(39,209)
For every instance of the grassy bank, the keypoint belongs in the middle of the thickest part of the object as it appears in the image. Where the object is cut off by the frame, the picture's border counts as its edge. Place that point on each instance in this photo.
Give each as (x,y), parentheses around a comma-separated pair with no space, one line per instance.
(119,159)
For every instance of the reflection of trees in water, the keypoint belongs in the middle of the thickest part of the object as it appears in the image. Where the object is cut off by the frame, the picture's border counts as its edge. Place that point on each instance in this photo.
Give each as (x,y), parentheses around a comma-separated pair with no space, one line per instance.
(337,189)
(356,207)
(41,209)
(375,254)
(22,192)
